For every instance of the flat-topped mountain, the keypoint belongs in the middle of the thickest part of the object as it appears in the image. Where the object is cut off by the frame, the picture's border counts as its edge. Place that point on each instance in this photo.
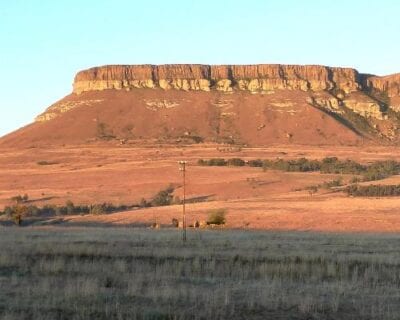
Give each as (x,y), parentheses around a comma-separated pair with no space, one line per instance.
(244,104)
(254,78)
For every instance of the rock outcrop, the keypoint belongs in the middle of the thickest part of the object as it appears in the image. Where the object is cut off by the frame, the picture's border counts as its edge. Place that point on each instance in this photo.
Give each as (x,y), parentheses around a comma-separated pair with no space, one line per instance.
(58,108)
(226,78)
(388,84)
(335,90)
(329,87)
(245,104)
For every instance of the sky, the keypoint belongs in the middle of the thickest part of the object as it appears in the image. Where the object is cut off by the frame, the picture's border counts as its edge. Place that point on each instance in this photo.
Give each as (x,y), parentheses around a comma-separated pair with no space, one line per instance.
(43,43)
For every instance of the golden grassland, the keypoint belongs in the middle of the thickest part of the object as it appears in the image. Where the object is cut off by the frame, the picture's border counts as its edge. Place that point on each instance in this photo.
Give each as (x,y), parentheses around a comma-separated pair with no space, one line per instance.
(254,198)
(132,273)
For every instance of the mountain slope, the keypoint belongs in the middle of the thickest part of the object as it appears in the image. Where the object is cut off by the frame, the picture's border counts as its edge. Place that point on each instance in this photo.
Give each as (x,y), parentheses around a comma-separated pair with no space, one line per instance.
(253,105)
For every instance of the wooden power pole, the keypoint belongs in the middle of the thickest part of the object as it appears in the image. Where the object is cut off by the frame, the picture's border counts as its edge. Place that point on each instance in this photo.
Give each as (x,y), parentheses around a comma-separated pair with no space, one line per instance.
(182,167)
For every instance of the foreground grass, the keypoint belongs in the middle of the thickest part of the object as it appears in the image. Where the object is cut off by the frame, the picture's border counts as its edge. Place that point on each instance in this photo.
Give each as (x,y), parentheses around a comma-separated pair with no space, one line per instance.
(145,274)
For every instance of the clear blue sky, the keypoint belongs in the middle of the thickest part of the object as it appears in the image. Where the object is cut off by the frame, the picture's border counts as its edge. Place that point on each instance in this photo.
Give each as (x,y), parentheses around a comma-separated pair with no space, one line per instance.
(45,42)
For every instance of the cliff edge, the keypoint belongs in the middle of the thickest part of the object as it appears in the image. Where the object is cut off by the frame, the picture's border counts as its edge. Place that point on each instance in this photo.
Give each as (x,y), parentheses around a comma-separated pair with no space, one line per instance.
(249,104)
(254,78)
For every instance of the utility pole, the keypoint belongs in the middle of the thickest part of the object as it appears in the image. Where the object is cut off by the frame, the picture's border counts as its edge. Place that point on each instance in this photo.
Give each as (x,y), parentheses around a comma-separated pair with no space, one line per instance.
(182,167)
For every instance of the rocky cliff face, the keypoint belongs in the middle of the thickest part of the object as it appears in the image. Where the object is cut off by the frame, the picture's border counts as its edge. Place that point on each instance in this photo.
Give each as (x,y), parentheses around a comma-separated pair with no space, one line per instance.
(389,84)
(254,78)
(366,103)
(340,83)
(250,104)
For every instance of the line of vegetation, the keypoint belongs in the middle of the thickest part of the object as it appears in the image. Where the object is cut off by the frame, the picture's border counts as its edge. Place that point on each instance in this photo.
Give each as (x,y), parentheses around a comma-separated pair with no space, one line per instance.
(46,163)
(21,210)
(324,185)
(375,171)
(376,190)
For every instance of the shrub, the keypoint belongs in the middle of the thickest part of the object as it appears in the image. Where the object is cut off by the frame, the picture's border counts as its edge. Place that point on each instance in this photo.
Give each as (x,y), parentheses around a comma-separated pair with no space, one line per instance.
(50,210)
(312,190)
(334,183)
(298,165)
(175,223)
(17,219)
(46,163)
(104,131)
(17,199)
(219,162)
(355,179)
(33,211)
(8,211)
(216,216)
(373,190)
(237,162)
(97,209)
(18,213)
(334,165)
(255,163)
(163,197)
(70,208)
(375,171)
(381,170)
(144,203)
(196,139)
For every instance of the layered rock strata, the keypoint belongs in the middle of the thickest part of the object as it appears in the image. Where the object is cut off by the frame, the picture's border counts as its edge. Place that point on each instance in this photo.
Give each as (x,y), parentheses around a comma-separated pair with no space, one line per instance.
(329,88)
(226,78)
(254,78)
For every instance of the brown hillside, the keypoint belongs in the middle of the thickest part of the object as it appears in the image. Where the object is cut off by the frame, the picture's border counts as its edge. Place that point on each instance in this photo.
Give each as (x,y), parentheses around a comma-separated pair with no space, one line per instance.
(239,104)
(173,116)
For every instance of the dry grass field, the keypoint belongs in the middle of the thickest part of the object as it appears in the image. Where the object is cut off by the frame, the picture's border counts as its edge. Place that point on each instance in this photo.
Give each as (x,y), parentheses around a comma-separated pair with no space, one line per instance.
(130,273)
(283,254)
(253,198)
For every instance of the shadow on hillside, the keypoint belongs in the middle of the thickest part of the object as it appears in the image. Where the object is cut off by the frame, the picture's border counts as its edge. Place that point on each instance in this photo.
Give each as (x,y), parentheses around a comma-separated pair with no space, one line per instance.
(79,224)
(199,198)
(7,223)
(95,224)
(39,199)
(60,222)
